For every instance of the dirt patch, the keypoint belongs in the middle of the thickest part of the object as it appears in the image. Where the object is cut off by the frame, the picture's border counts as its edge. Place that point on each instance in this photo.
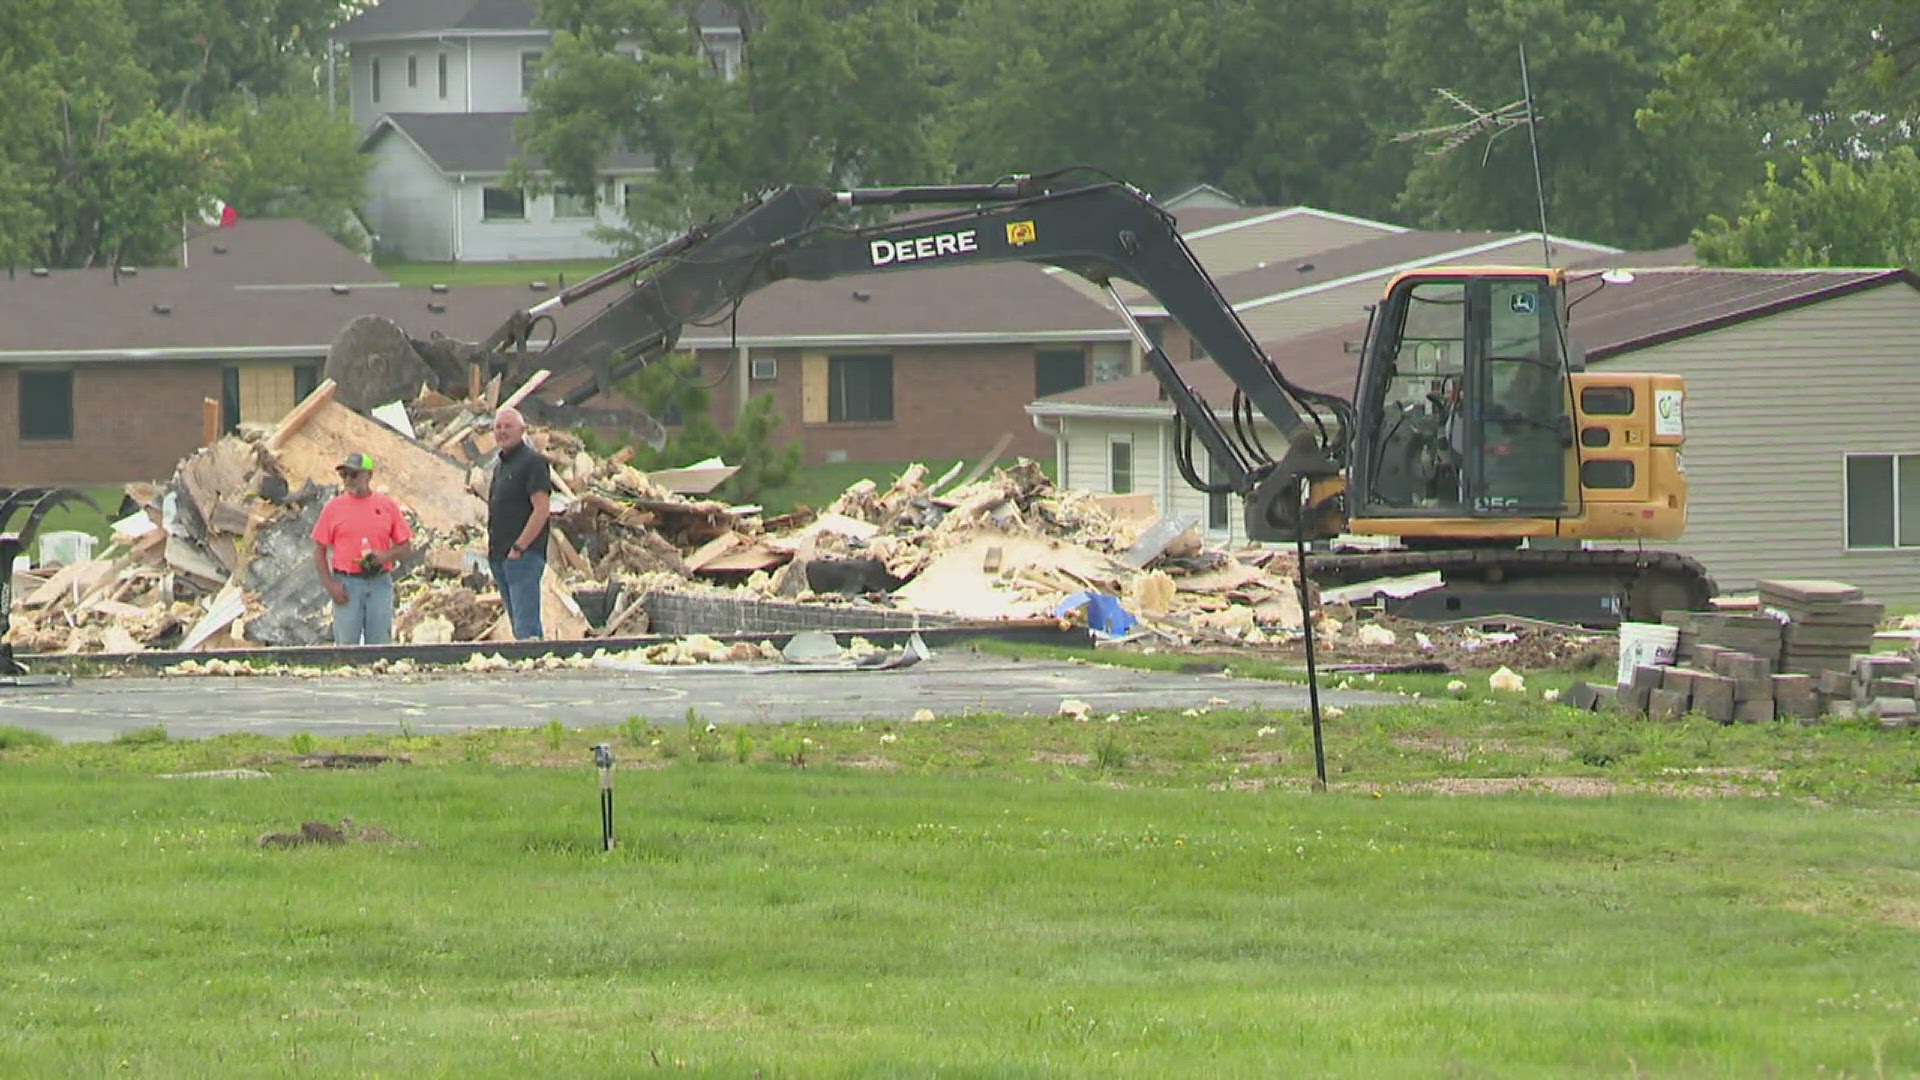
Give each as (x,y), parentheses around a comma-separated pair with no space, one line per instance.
(869,761)
(1460,749)
(1579,787)
(1048,757)
(327,834)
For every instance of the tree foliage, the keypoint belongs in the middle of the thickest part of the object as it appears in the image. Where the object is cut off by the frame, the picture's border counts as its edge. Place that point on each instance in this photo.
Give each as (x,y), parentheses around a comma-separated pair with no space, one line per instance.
(1832,213)
(125,116)
(671,388)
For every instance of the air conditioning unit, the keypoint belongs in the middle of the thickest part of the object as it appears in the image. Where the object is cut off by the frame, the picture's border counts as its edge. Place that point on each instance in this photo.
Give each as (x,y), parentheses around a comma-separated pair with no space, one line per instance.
(763,368)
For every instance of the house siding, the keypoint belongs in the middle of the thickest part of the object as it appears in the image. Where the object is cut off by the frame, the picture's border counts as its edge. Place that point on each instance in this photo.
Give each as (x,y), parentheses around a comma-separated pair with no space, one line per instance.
(1085,458)
(131,421)
(409,202)
(1772,406)
(540,236)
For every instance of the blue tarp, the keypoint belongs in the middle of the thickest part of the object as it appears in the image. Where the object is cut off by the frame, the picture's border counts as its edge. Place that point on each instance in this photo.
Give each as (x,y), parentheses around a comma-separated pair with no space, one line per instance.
(1104,613)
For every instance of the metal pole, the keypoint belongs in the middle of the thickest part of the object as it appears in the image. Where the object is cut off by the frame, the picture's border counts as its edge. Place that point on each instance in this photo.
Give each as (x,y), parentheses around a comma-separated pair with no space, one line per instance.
(603,757)
(1533,140)
(1306,626)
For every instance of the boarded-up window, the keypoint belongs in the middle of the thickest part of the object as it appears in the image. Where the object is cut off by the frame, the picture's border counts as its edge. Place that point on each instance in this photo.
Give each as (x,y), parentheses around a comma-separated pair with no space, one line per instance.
(1120,464)
(1058,370)
(503,204)
(374,71)
(1883,500)
(46,404)
(443,76)
(413,71)
(859,388)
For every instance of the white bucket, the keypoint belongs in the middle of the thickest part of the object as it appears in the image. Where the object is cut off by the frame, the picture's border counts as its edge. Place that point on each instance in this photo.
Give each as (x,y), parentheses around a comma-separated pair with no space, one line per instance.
(1646,643)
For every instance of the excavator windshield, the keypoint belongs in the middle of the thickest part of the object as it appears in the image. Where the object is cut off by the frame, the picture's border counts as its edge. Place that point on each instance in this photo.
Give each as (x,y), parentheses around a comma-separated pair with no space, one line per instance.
(1465,400)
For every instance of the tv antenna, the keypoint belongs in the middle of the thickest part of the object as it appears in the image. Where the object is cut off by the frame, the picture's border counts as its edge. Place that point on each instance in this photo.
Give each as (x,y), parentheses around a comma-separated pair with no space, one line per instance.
(1492,123)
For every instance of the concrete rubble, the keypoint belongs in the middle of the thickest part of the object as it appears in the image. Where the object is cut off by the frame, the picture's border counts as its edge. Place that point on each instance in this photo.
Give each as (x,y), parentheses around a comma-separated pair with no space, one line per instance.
(218,556)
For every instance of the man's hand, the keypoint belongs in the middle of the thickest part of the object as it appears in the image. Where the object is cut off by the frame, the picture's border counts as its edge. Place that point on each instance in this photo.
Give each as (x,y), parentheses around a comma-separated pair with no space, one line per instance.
(337,591)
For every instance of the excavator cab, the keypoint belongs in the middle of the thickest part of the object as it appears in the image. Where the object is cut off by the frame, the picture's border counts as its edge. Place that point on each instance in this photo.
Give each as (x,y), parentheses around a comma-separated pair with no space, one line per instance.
(1476,419)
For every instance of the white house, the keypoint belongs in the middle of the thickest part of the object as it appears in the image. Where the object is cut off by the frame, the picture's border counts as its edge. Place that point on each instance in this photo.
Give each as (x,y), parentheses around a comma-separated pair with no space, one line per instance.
(436,86)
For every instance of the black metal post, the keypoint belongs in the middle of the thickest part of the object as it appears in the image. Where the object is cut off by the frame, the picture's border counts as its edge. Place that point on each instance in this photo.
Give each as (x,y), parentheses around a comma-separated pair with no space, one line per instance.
(603,757)
(1306,626)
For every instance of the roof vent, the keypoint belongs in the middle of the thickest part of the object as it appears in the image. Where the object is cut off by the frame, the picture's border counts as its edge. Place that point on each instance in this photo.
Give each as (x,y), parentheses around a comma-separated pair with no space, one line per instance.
(163,309)
(129,271)
(436,308)
(537,286)
(219,249)
(39,271)
(1304,267)
(862,295)
(438,286)
(341,290)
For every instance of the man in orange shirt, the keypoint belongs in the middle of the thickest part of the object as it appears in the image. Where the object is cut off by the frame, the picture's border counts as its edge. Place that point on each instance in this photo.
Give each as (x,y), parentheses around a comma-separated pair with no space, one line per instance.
(361,534)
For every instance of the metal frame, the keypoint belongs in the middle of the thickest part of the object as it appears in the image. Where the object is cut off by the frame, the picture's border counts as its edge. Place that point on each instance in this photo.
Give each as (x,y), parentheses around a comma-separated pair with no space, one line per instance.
(37,503)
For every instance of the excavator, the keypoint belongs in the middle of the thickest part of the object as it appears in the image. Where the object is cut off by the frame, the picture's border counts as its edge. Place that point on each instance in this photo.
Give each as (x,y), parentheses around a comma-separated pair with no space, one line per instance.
(1474,435)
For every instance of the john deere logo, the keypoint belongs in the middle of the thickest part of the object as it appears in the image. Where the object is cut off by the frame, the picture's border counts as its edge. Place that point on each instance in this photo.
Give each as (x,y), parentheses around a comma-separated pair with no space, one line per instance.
(1020,232)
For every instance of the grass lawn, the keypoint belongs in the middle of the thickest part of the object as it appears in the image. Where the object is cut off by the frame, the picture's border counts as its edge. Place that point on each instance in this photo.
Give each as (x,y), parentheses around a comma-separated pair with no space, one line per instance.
(516,272)
(1156,896)
(817,485)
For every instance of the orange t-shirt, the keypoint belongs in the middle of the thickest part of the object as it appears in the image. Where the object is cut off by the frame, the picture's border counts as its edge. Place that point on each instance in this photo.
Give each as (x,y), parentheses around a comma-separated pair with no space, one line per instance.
(348,522)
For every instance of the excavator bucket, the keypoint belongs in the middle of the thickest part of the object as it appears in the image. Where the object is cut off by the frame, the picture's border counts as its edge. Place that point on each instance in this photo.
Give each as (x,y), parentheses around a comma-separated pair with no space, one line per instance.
(31,505)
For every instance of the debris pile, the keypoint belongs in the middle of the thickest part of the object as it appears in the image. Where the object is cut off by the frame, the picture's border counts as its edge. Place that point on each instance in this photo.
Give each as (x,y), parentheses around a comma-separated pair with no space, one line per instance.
(218,556)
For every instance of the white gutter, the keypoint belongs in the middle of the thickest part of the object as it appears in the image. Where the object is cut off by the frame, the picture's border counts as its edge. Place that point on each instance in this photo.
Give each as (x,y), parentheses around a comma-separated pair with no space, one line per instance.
(172,352)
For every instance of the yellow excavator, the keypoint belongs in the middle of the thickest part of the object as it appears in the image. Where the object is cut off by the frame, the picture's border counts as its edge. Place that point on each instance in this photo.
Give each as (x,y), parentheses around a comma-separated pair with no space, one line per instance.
(1473,434)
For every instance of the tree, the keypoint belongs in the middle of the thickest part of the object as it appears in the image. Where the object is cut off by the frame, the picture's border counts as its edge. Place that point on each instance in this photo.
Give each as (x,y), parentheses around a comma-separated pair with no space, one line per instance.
(671,387)
(1833,213)
(827,93)
(296,161)
(1592,63)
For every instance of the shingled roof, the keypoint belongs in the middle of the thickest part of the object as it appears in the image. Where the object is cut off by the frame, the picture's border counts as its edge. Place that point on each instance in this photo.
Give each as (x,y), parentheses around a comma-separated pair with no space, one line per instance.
(427,18)
(1661,304)
(475,142)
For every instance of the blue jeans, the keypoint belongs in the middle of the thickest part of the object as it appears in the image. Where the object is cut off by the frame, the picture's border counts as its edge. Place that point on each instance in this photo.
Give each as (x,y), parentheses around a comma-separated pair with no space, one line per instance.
(519,582)
(367,616)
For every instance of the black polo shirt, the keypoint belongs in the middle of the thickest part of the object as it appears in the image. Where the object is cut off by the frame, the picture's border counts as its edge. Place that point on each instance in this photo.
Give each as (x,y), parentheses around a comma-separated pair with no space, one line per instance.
(521,472)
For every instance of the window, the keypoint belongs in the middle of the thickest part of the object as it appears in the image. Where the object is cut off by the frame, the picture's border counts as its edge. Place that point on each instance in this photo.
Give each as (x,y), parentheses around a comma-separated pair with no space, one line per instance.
(859,388)
(1112,360)
(1883,500)
(443,76)
(46,404)
(1219,510)
(1120,464)
(503,204)
(631,194)
(413,72)
(1058,370)
(229,399)
(306,379)
(529,71)
(572,204)
(376,78)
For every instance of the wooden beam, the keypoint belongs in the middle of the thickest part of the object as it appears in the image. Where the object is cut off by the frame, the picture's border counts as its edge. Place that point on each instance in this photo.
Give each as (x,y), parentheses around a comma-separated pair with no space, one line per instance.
(473,379)
(290,423)
(533,383)
(209,421)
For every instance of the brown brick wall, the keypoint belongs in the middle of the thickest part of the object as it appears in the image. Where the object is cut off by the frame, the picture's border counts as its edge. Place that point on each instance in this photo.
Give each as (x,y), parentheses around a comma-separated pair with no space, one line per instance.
(948,402)
(131,421)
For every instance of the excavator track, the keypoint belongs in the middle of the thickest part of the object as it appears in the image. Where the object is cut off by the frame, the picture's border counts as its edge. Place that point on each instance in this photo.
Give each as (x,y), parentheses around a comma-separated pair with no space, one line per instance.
(1591,587)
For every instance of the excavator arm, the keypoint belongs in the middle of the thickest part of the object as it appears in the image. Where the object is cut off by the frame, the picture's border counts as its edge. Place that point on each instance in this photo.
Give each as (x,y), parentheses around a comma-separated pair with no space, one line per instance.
(1104,231)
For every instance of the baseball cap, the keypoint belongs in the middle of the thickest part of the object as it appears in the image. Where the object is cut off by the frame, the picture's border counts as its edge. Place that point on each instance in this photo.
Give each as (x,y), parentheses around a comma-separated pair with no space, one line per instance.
(355,462)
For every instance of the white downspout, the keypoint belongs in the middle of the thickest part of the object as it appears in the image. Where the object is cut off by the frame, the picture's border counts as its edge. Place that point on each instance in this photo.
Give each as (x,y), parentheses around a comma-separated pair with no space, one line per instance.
(1059,436)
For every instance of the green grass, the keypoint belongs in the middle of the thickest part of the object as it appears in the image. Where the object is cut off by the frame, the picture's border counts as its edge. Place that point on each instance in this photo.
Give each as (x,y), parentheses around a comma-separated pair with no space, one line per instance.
(816,485)
(978,896)
(79,517)
(517,272)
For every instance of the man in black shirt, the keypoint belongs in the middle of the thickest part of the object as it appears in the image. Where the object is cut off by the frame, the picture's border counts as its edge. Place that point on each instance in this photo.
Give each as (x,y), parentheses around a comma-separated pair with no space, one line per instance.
(517,510)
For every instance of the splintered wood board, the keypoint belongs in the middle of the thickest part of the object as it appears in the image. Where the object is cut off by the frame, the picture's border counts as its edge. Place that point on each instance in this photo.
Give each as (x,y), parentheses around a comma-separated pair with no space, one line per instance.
(431,487)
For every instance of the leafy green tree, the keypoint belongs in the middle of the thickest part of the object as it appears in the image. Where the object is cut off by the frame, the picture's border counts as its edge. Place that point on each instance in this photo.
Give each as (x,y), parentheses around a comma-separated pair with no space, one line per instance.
(1832,213)
(295,161)
(671,388)
(1592,64)
(827,93)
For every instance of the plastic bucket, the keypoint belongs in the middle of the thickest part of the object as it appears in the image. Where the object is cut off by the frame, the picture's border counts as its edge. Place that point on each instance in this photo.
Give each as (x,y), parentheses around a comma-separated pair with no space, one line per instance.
(1646,643)
(65,548)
